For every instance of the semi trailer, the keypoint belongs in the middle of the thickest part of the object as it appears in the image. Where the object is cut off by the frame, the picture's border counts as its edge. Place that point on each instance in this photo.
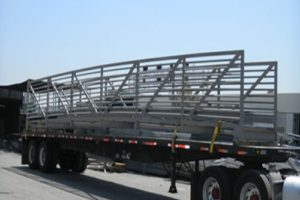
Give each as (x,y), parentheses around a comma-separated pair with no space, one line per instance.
(183,108)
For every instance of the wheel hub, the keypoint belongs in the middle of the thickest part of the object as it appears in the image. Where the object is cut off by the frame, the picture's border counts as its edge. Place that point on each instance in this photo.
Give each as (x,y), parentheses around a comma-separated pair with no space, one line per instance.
(211,189)
(216,193)
(254,197)
(250,192)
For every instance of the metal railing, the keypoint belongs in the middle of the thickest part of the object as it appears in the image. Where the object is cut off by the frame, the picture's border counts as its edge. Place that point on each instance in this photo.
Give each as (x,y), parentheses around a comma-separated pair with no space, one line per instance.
(190,91)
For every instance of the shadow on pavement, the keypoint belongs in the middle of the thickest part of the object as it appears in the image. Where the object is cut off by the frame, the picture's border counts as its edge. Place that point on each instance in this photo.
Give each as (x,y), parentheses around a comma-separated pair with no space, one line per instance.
(86,186)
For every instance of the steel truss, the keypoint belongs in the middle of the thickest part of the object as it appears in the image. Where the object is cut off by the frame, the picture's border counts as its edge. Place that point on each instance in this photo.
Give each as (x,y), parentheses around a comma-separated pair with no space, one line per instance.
(186,92)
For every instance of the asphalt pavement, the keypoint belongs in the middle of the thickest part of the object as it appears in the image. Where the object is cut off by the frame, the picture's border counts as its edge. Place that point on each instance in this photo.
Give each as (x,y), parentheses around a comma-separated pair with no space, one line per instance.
(20,182)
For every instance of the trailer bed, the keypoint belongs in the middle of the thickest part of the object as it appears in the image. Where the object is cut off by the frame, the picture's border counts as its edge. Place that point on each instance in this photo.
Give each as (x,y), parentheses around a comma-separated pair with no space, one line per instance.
(187,149)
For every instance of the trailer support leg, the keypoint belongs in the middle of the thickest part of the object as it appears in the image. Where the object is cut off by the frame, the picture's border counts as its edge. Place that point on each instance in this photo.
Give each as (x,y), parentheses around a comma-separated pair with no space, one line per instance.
(196,166)
(173,188)
(194,182)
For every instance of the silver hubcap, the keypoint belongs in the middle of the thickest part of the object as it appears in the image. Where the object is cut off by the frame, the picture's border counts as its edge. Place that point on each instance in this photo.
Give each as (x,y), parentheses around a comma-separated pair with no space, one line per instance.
(31,154)
(250,192)
(211,189)
(42,156)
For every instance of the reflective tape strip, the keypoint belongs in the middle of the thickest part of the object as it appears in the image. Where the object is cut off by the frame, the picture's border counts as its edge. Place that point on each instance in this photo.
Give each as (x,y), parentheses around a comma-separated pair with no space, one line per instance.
(150,143)
(105,139)
(263,152)
(202,148)
(180,146)
(241,152)
(220,150)
(119,140)
(132,141)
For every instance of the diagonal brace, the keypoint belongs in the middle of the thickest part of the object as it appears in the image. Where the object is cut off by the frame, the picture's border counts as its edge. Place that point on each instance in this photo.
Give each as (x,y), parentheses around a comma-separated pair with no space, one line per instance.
(121,86)
(35,98)
(206,79)
(114,89)
(258,81)
(59,96)
(215,83)
(86,94)
(171,72)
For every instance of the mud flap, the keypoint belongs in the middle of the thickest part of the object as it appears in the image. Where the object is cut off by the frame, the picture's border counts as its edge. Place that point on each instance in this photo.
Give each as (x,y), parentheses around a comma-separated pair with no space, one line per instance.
(25,145)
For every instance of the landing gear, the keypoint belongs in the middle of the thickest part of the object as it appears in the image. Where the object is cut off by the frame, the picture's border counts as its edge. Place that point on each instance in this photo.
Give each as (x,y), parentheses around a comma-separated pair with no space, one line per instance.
(173,188)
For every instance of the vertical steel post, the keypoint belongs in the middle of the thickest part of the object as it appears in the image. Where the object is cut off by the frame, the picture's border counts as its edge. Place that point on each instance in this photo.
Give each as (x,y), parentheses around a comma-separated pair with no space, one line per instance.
(275,96)
(48,81)
(72,92)
(173,83)
(27,100)
(219,90)
(80,92)
(106,80)
(47,109)
(242,114)
(137,95)
(101,89)
(182,93)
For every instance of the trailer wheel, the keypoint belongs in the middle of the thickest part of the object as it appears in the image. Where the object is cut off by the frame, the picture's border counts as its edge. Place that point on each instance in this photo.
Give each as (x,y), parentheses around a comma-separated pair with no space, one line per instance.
(252,185)
(214,184)
(47,157)
(80,161)
(33,155)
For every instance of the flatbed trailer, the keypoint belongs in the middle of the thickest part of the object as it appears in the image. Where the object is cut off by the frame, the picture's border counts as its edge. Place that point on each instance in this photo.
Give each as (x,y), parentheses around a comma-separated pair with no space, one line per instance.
(170,109)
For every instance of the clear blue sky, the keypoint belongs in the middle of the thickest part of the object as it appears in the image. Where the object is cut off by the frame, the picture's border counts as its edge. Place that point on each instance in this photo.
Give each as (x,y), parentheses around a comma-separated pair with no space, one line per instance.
(40,38)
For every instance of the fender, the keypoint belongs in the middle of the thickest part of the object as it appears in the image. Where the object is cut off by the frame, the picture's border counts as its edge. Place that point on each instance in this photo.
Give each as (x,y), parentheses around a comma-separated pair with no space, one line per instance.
(291,188)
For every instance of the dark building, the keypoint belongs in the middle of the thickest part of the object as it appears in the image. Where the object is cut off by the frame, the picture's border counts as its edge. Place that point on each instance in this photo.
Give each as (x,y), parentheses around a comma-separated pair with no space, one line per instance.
(11,119)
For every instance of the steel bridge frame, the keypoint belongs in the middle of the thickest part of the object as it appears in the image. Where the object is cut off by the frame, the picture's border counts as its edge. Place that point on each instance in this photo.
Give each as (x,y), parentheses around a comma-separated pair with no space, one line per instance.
(190,91)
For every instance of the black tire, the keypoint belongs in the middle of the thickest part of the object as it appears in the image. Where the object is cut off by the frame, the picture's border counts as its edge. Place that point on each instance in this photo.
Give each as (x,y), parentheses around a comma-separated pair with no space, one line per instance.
(65,159)
(210,177)
(65,164)
(79,163)
(251,181)
(33,155)
(47,157)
